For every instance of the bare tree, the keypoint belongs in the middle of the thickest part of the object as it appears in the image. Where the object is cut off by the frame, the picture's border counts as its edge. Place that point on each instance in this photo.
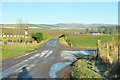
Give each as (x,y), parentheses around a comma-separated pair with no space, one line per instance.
(20,28)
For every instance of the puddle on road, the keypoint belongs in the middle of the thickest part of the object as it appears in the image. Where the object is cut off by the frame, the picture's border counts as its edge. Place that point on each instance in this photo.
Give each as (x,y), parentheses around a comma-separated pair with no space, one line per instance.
(87,52)
(74,55)
(78,52)
(57,67)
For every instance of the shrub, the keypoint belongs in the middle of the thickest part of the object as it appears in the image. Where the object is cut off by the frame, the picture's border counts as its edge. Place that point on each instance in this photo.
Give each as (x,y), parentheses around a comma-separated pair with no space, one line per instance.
(71,42)
(5,42)
(64,35)
(40,36)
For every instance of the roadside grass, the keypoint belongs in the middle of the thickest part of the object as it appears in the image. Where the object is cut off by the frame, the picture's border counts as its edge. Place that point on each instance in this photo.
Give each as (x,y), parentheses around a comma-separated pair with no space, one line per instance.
(80,70)
(90,41)
(63,42)
(13,50)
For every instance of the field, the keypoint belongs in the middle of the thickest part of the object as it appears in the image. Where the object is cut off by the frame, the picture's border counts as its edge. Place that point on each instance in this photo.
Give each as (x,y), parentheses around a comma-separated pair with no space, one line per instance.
(90,41)
(52,33)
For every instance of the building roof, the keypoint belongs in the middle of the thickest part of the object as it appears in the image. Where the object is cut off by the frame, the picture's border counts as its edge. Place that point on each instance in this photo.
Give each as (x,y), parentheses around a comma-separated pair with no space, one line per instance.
(94,32)
(8,34)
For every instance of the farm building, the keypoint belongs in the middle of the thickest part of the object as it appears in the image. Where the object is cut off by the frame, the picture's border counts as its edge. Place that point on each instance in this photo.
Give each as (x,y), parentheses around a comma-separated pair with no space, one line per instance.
(95,33)
(11,35)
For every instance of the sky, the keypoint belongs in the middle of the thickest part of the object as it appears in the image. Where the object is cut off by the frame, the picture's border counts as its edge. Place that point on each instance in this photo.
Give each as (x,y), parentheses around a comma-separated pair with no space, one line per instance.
(60,12)
(59,0)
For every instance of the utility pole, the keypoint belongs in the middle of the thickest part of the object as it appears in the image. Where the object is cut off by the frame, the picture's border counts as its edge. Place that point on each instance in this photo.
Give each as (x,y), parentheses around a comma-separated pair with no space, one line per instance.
(26,33)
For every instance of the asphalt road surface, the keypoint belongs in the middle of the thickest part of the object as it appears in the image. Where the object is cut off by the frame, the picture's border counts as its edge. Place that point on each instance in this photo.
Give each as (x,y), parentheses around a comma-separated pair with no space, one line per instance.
(49,61)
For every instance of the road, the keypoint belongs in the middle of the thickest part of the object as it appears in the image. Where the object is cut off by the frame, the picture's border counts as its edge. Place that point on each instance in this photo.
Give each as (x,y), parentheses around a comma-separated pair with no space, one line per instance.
(49,61)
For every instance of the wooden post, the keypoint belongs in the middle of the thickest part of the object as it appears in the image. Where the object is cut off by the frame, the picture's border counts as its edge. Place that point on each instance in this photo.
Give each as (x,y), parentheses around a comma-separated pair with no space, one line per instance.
(113,42)
(7,40)
(98,49)
(12,39)
(107,50)
(19,40)
(118,56)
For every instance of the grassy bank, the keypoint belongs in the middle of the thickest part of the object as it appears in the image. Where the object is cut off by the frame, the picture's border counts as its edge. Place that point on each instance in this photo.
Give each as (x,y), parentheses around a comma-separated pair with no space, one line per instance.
(12,50)
(90,41)
(63,42)
(81,69)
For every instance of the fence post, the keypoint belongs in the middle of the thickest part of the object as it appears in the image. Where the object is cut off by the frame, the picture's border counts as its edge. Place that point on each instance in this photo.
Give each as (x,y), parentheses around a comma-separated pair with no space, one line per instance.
(113,42)
(12,39)
(107,50)
(98,49)
(19,40)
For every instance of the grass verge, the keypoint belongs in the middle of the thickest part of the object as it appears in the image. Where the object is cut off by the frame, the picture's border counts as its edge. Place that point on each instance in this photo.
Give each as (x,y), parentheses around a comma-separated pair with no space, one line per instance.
(12,50)
(80,70)
(63,42)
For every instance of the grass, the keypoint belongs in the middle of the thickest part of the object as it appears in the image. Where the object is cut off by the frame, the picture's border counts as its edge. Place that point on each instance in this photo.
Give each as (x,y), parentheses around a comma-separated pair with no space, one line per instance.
(12,50)
(90,41)
(62,42)
(80,70)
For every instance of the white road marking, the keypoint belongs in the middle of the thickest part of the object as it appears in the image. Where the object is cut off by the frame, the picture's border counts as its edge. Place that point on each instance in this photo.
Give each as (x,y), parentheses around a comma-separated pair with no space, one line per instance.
(43,53)
(46,53)
(26,54)
(49,53)
(33,57)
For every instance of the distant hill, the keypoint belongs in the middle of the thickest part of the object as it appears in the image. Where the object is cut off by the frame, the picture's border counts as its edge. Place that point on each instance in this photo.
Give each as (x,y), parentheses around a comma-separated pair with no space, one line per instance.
(60,26)
(77,26)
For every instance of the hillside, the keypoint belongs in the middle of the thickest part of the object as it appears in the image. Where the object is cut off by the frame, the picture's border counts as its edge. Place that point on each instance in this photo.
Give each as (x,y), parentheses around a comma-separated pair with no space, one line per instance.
(78,26)
(61,26)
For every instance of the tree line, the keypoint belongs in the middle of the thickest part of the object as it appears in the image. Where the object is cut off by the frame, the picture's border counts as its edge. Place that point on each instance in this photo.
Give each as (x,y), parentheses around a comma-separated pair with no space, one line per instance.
(104,30)
(108,30)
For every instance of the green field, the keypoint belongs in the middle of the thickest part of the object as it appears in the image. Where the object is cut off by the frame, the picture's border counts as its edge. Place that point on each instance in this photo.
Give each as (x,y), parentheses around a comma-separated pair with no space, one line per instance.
(12,50)
(90,41)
